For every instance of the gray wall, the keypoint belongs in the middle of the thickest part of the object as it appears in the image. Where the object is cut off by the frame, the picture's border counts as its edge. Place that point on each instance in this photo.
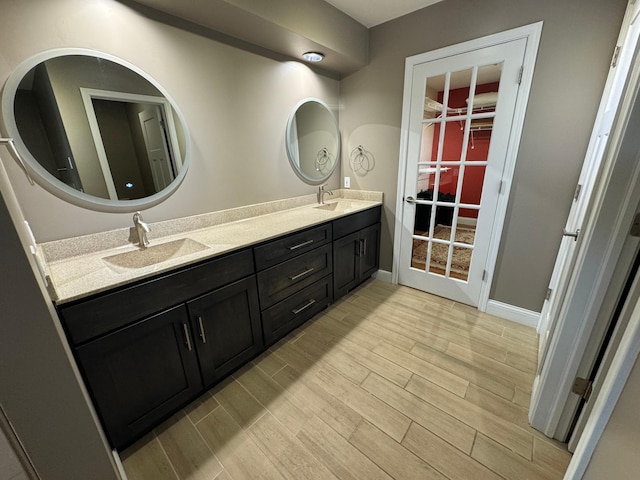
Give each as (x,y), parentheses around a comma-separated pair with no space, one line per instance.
(616,455)
(236,104)
(577,43)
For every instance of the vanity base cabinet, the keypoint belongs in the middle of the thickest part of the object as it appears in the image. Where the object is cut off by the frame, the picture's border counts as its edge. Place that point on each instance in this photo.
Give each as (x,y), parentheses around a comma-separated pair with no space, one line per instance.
(140,374)
(356,255)
(226,327)
(149,348)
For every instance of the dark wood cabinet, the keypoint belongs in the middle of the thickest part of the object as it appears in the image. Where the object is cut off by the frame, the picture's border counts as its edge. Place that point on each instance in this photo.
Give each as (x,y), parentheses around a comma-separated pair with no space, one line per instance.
(142,373)
(227,330)
(294,279)
(355,255)
(148,348)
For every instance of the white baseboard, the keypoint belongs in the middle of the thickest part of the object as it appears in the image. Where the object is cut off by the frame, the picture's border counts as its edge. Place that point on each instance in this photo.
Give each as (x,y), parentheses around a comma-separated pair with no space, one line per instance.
(383,276)
(515,314)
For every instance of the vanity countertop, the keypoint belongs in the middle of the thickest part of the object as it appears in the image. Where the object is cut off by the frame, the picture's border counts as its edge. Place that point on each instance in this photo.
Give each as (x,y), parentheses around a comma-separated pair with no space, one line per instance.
(84,274)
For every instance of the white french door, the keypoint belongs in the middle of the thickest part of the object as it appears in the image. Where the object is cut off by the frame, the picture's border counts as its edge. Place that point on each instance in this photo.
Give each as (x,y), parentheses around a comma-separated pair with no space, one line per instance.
(461,111)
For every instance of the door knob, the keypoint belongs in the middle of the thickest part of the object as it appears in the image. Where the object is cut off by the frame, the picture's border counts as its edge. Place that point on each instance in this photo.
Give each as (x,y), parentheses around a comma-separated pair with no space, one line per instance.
(410,200)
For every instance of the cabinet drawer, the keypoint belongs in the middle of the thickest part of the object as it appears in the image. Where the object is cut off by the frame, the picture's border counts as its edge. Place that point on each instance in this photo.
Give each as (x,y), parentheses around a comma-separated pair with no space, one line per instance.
(277,283)
(292,312)
(91,318)
(290,246)
(357,221)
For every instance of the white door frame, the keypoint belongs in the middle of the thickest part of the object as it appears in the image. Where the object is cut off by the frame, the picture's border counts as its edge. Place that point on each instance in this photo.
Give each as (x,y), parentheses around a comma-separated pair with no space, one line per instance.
(609,103)
(532,33)
(614,382)
(89,94)
(611,214)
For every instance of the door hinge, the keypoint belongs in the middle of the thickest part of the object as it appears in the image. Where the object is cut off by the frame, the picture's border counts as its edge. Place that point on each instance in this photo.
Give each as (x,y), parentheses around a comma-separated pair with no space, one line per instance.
(582,387)
(548,295)
(616,55)
(501,187)
(485,274)
(520,74)
(635,228)
(576,195)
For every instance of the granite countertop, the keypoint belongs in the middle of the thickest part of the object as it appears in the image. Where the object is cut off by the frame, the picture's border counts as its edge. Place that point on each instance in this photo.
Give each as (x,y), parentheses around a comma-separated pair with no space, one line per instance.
(77,267)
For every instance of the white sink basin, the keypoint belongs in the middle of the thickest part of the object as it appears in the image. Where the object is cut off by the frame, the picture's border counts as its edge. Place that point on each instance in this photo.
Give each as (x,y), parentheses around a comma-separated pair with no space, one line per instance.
(339,206)
(146,257)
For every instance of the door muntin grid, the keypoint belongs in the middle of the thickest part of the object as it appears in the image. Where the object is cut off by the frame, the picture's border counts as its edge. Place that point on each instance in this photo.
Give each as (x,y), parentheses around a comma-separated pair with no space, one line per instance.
(455,143)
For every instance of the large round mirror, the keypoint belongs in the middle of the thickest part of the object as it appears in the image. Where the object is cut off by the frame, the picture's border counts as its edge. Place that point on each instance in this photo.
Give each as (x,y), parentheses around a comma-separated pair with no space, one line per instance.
(95,130)
(313,141)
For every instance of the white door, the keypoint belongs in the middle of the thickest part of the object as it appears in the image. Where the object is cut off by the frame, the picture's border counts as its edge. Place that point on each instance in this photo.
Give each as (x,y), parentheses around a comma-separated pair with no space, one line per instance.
(578,282)
(156,143)
(461,113)
(566,258)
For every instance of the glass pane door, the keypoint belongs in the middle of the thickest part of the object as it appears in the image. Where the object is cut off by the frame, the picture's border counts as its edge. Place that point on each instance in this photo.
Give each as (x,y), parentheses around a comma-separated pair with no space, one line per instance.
(459,108)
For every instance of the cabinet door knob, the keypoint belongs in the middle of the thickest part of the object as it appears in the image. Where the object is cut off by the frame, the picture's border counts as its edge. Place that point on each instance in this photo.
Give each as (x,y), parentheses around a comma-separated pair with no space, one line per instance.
(201,325)
(187,337)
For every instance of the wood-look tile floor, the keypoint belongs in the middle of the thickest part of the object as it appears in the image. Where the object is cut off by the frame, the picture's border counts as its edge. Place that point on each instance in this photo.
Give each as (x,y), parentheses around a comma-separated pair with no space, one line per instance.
(388,383)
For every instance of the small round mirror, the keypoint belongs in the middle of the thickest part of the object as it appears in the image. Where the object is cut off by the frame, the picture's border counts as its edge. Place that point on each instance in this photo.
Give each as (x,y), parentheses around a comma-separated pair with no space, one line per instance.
(313,141)
(95,130)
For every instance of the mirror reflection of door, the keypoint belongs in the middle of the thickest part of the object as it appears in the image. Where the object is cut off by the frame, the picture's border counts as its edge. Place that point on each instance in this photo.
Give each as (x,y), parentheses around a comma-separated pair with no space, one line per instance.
(156,146)
(133,147)
(42,128)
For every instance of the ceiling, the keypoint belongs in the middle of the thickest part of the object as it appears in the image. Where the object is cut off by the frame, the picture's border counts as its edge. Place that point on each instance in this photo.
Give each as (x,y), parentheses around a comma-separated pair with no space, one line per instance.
(337,28)
(374,12)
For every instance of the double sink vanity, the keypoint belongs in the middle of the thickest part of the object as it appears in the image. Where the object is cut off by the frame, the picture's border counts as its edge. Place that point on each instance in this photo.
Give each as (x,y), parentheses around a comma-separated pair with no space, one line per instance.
(152,328)
(153,325)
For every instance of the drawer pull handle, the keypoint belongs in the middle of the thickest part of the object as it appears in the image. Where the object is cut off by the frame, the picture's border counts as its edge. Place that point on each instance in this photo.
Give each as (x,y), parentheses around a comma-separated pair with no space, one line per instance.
(187,338)
(302,274)
(296,311)
(202,335)
(300,245)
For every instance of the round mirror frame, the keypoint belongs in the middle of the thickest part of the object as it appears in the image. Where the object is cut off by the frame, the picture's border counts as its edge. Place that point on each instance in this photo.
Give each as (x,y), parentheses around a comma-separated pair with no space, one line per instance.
(51,183)
(288,142)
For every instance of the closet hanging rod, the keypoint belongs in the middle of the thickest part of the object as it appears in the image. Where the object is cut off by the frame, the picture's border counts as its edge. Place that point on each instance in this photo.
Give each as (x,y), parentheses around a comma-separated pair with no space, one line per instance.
(11,146)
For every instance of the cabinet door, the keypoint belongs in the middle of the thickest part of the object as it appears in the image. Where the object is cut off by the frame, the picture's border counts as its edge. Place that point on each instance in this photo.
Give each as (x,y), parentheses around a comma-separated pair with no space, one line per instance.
(370,251)
(346,270)
(142,373)
(226,324)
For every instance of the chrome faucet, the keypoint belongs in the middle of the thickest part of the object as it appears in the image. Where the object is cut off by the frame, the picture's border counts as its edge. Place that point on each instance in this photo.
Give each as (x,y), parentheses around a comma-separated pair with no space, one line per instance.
(321,192)
(138,233)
